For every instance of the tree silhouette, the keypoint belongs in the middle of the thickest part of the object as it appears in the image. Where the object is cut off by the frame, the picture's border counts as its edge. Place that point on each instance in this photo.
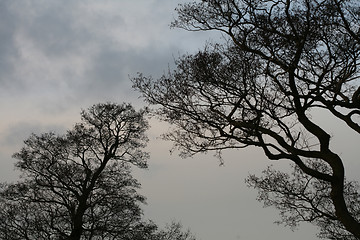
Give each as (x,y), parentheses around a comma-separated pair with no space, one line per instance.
(303,198)
(174,231)
(78,185)
(280,60)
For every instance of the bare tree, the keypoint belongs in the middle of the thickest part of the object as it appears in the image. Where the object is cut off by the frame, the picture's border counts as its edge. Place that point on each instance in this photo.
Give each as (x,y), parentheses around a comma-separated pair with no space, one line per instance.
(78,185)
(282,59)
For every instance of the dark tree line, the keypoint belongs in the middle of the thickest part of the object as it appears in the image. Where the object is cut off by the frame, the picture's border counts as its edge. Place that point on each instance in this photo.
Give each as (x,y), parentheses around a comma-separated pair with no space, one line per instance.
(79,185)
(281,59)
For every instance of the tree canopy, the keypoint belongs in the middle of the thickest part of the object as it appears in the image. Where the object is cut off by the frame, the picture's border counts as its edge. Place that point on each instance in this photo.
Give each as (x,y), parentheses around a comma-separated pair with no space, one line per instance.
(79,185)
(280,61)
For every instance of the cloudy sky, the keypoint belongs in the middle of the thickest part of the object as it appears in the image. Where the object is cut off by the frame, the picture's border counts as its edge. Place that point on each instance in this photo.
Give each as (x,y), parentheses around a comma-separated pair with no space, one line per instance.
(58,57)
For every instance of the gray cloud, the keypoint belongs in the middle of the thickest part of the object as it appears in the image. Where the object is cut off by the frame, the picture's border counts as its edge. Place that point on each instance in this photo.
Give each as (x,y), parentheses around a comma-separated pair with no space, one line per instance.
(8,48)
(66,51)
(54,28)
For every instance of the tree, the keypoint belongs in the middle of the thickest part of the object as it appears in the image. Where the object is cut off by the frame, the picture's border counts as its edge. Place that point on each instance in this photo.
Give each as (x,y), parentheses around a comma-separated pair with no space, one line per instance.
(174,231)
(281,59)
(78,185)
(302,198)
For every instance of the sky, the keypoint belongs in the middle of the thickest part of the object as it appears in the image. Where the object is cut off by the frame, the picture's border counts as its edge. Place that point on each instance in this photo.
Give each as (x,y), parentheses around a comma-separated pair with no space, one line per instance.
(58,57)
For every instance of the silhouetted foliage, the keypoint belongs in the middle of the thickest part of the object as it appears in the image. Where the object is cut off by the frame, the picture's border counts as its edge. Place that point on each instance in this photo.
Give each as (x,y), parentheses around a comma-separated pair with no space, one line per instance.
(302,198)
(174,231)
(79,185)
(281,60)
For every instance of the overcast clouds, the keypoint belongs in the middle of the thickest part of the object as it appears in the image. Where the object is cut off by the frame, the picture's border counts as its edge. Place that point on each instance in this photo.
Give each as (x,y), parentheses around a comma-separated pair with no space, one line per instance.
(57,57)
